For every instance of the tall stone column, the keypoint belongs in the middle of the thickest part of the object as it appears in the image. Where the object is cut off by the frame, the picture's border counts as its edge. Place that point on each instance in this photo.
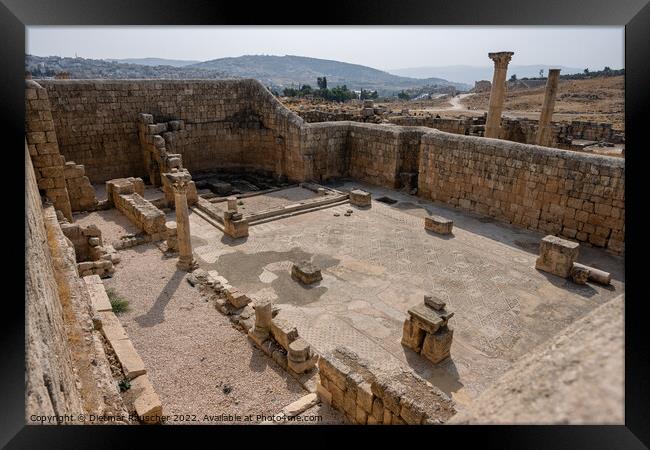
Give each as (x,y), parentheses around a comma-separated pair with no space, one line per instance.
(179,181)
(493,122)
(544,130)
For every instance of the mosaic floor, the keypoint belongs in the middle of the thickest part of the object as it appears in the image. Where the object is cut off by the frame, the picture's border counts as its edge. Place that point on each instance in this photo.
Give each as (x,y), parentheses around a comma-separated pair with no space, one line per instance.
(379,262)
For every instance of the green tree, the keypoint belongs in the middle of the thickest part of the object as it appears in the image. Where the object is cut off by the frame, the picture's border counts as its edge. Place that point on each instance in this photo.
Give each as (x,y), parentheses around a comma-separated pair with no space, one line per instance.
(322,82)
(403,96)
(513,77)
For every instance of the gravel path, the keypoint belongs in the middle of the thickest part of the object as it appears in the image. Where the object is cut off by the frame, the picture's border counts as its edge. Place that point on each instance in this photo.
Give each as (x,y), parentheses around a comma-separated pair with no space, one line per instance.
(198,363)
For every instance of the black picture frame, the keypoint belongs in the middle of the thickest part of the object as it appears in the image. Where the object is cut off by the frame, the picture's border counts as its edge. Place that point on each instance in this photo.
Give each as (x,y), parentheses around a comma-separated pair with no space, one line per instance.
(15,15)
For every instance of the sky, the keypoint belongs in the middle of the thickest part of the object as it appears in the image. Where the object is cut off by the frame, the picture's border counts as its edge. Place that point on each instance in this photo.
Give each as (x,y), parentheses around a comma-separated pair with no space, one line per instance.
(383,48)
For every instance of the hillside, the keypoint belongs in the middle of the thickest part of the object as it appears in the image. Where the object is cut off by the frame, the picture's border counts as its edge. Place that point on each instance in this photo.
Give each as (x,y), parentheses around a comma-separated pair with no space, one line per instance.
(599,99)
(283,71)
(277,72)
(83,68)
(470,74)
(156,61)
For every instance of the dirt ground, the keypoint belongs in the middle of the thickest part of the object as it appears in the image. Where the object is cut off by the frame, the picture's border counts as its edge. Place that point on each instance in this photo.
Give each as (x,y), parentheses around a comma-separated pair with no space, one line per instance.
(596,100)
(203,369)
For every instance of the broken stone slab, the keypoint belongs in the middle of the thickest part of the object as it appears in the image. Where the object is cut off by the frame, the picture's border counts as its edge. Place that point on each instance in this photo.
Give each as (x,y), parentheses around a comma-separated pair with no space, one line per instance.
(597,275)
(557,256)
(434,302)
(128,357)
(438,224)
(301,405)
(360,198)
(426,318)
(146,402)
(283,332)
(237,298)
(306,272)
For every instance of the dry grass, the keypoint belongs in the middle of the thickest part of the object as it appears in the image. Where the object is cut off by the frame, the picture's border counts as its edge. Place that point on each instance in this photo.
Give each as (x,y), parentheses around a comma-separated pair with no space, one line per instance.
(596,100)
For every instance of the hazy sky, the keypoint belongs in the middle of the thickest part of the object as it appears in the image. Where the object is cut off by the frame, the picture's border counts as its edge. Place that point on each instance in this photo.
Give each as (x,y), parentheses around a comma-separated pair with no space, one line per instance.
(380,47)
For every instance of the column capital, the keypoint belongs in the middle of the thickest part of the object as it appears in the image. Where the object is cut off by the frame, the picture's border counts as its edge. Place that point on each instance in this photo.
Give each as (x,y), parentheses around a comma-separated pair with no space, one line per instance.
(179,180)
(501,59)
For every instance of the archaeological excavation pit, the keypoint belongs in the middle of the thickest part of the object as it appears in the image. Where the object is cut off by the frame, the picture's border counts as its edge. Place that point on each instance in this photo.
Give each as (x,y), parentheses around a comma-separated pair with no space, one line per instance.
(203,207)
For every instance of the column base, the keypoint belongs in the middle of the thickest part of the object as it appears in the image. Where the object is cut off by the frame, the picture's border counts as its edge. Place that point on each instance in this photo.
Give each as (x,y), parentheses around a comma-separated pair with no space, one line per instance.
(187,264)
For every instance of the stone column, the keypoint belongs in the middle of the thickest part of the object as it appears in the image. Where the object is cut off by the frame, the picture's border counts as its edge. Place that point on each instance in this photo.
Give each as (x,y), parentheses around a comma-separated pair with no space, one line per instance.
(179,181)
(544,130)
(493,122)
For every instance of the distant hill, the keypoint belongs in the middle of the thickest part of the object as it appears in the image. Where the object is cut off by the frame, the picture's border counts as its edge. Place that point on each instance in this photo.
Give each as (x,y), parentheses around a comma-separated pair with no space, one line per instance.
(276,72)
(156,61)
(470,74)
(285,71)
(84,68)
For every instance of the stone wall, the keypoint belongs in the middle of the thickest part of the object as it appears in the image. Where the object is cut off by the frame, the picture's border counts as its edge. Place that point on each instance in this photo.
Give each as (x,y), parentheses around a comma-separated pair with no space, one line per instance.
(49,374)
(369,395)
(578,196)
(44,149)
(228,123)
(239,124)
(66,369)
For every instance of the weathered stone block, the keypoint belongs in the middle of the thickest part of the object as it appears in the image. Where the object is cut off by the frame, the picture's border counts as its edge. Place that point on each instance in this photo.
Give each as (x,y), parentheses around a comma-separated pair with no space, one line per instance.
(128,358)
(436,346)
(412,335)
(557,255)
(237,228)
(360,198)
(146,402)
(283,332)
(237,298)
(365,396)
(306,272)
(438,224)
(299,350)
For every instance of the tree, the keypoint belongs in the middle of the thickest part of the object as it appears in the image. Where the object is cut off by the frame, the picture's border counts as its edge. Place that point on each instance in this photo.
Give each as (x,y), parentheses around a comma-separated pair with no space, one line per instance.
(289,92)
(322,82)
(513,77)
(586,71)
(541,73)
(403,96)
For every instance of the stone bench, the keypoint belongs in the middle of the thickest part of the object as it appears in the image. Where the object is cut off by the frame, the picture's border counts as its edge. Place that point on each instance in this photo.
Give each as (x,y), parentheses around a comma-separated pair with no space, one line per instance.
(557,256)
(438,224)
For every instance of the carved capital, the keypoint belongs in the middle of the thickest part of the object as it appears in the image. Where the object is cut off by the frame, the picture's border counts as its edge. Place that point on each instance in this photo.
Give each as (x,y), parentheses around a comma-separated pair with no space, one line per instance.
(501,59)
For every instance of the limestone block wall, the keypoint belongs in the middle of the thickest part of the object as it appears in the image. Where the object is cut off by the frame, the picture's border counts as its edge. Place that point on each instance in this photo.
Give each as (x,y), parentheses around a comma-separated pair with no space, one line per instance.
(49,373)
(374,153)
(325,147)
(369,395)
(66,368)
(578,196)
(227,123)
(80,191)
(239,124)
(44,149)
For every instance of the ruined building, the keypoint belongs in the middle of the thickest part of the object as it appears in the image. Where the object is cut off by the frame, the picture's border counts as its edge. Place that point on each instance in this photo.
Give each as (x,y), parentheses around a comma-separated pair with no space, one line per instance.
(212,172)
